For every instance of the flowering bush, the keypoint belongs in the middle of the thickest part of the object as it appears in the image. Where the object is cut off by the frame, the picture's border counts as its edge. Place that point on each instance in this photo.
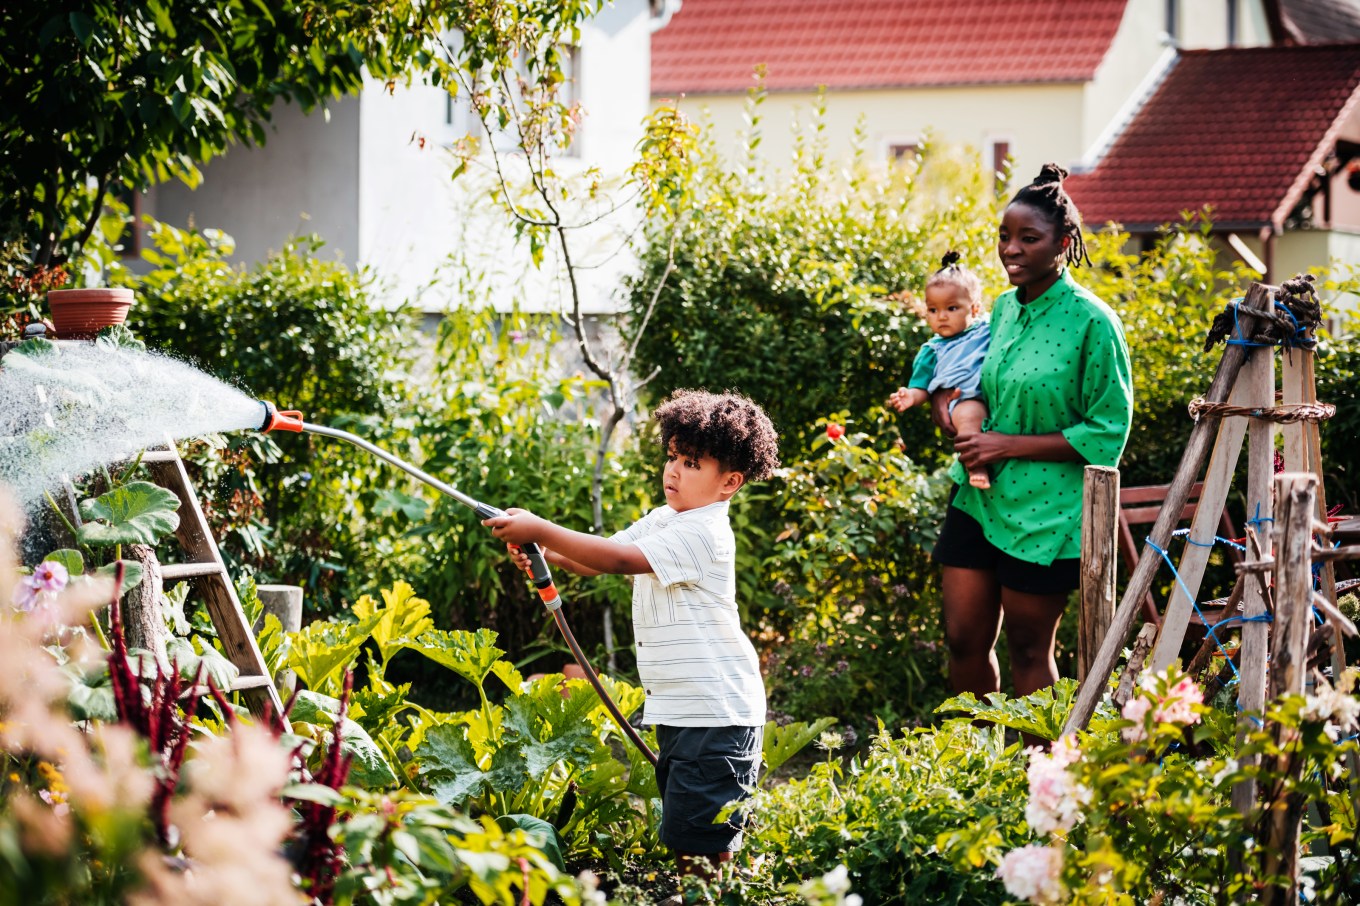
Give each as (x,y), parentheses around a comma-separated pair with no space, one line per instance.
(1139,809)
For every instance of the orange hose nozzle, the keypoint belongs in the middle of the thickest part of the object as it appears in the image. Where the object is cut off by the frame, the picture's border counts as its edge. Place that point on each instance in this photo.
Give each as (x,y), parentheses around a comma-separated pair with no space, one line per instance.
(274,420)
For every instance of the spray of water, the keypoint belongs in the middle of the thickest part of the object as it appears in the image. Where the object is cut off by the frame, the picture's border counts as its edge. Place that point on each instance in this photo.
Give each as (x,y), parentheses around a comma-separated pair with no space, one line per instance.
(67,408)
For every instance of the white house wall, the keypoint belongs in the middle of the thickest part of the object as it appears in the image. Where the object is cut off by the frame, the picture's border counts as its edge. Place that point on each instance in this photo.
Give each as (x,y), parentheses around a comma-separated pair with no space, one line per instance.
(1138,55)
(382,198)
(303,180)
(413,216)
(1040,123)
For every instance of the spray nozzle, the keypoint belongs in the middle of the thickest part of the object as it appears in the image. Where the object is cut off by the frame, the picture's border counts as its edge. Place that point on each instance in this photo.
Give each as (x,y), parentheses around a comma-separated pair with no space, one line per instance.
(274,420)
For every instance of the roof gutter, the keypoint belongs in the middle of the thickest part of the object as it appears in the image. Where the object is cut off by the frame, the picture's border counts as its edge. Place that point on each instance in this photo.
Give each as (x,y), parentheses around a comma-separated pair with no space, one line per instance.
(662,13)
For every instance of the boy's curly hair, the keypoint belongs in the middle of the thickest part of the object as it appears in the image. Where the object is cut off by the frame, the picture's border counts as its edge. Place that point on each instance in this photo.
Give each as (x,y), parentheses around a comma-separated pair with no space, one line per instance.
(727,426)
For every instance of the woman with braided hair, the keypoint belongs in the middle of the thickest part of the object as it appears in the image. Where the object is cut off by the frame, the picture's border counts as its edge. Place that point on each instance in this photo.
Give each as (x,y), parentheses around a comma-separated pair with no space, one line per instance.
(1059,391)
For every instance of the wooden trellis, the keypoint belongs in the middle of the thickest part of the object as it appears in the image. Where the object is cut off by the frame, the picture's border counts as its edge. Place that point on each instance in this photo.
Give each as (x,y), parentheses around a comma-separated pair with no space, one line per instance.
(1239,405)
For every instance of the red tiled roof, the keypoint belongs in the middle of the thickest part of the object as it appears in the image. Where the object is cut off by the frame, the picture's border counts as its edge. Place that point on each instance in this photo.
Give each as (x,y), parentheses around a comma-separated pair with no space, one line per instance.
(713,46)
(1241,130)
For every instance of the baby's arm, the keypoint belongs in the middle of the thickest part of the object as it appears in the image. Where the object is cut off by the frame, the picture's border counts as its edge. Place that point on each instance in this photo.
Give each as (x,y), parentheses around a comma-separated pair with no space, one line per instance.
(585,555)
(904,398)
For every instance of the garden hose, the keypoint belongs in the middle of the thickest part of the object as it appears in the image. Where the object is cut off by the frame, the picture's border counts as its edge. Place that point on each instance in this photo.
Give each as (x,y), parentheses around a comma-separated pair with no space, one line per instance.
(291,420)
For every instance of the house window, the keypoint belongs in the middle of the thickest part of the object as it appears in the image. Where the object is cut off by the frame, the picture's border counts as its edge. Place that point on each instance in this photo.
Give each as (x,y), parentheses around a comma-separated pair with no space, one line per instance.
(900,152)
(1001,162)
(1172,19)
(1233,18)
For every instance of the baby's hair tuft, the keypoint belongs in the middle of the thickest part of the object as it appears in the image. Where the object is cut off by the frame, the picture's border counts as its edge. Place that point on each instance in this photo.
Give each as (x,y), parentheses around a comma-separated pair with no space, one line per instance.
(953,273)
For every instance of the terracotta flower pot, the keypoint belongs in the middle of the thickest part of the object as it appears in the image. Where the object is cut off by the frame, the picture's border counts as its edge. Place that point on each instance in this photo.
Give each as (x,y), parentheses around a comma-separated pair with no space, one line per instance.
(79,314)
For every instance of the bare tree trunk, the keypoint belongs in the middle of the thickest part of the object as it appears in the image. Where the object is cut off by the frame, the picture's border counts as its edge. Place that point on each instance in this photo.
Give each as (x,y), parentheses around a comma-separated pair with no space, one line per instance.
(143,621)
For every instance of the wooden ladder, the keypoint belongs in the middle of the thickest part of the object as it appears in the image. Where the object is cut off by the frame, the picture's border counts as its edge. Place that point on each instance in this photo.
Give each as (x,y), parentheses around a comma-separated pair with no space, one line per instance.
(204,567)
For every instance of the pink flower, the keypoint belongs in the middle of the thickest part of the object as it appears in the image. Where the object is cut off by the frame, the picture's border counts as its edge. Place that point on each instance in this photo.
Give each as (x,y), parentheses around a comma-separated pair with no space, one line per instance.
(47,579)
(1136,709)
(1033,873)
(1178,705)
(1055,797)
(835,431)
(49,576)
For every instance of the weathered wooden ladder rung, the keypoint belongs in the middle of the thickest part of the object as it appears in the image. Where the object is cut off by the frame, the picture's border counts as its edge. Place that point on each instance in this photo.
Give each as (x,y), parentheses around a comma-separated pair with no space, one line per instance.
(173,572)
(208,573)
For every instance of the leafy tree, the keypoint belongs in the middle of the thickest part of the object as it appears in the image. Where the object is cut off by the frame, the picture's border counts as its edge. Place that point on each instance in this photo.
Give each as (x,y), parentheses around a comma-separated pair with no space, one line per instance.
(101,96)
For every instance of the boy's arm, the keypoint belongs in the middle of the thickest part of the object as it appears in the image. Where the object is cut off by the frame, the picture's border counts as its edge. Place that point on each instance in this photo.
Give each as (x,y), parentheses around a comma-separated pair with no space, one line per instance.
(581,553)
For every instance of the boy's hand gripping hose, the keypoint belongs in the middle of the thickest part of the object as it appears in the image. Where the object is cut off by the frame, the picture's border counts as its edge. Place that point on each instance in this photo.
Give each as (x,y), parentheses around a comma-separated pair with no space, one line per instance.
(291,420)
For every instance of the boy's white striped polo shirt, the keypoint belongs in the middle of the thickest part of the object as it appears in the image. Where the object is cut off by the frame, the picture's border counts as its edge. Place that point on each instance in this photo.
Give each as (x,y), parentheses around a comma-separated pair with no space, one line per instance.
(697,665)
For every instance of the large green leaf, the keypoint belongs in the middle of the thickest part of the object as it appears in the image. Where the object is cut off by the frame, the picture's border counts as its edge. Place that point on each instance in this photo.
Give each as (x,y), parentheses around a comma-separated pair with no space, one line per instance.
(401,617)
(138,512)
(73,560)
(469,654)
(1041,714)
(320,650)
(368,767)
(450,766)
(551,729)
(541,833)
(782,743)
(191,659)
(132,573)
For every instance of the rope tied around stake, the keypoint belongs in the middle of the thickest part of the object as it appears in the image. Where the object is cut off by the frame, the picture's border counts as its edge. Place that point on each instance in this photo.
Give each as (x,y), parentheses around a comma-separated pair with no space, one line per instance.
(1290,322)
(1284,415)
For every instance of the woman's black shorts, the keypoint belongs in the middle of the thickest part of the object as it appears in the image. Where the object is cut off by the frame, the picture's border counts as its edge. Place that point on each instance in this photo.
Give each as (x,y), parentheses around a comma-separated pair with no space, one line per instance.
(962,544)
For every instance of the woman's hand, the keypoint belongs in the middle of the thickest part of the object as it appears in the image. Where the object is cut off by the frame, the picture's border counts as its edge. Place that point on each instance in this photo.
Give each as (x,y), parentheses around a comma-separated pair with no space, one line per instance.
(939,409)
(983,448)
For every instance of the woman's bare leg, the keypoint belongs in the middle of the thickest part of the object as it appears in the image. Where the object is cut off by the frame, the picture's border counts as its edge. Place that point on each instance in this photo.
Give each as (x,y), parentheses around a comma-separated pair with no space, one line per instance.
(972,622)
(1031,635)
(968,417)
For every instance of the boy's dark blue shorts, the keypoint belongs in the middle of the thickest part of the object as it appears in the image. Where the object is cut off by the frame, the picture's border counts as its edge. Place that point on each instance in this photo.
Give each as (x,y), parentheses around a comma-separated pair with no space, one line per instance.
(699,770)
(962,544)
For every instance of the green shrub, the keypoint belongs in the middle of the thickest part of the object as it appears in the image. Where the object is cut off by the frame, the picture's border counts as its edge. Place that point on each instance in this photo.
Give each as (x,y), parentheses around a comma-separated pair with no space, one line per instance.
(850,599)
(782,279)
(1338,382)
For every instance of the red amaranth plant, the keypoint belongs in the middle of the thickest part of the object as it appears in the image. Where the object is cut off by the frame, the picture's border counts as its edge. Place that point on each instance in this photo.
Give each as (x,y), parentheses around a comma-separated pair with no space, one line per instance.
(320,857)
(158,719)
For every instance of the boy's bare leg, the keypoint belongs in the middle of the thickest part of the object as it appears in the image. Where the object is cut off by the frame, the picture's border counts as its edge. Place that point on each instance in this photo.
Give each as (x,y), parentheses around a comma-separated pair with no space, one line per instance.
(703,865)
(968,417)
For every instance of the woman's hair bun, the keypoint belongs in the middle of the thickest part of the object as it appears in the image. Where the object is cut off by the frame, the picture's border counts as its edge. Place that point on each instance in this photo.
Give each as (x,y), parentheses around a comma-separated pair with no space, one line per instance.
(1050,173)
(951,259)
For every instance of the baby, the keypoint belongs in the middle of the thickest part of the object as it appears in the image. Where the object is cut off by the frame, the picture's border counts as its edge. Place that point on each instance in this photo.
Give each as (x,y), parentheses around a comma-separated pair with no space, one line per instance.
(953,357)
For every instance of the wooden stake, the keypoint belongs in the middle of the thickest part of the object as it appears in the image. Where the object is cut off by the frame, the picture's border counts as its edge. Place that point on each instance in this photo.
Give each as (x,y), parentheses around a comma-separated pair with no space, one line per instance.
(1208,512)
(1296,497)
(1100,522)
(1137,655)
(1251,694)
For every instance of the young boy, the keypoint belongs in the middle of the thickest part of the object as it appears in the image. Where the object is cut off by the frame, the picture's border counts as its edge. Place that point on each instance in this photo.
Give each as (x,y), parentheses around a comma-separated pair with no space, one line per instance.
(698,668)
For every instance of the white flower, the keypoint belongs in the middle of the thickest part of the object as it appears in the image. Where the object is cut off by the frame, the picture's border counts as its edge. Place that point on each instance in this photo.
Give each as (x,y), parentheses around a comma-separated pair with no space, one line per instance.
(837,880)
(1331,705)
(1033,873)
(1055,797)
(1229,768)
(591,895)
